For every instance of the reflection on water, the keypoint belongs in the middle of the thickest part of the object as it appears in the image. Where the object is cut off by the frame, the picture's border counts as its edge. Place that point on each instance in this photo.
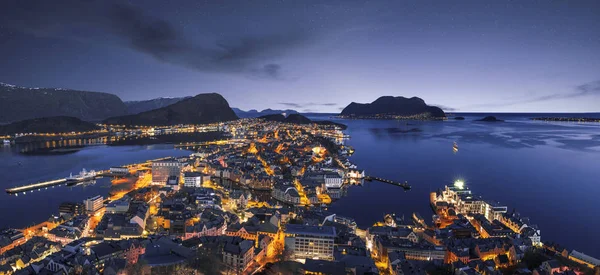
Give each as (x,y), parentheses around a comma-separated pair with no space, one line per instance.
(35,206)
(546,171)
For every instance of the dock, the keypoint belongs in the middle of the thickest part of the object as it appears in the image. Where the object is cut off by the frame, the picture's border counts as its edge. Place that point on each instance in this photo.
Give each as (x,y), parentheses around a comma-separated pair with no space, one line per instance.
(404,185)
(51,183)
(34,186)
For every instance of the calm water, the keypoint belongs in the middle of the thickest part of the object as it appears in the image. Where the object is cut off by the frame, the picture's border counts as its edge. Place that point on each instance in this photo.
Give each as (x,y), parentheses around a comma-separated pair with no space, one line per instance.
(549,172)
(37,206)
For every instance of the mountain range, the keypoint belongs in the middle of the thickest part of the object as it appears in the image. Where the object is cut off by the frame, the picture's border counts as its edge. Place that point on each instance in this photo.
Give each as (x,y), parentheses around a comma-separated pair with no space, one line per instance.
(139,106)
(255,113)
(19,103)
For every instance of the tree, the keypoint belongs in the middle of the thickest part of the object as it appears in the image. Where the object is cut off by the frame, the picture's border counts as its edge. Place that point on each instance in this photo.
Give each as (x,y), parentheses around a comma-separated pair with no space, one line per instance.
(206,262)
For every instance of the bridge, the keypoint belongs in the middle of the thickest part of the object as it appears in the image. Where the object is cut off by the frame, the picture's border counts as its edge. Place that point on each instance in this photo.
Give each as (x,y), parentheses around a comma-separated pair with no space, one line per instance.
(404,185)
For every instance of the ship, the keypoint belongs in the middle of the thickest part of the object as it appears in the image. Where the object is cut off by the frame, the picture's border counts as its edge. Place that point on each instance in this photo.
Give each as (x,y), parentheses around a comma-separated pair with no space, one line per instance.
(455,147)
(84,175)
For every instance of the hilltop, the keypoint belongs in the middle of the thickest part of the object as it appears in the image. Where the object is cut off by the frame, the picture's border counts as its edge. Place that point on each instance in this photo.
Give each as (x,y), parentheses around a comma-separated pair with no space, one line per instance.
(200,109)
(20,103)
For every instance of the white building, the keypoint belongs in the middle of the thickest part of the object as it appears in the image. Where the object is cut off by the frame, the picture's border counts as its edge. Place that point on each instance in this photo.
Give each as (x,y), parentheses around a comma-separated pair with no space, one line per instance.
(119,171)
(93,204)
(307,241)
(195,179)
(333,180)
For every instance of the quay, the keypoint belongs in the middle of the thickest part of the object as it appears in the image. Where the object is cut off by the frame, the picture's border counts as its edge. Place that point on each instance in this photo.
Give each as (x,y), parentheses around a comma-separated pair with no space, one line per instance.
(45,184)
(50,183)
(404,185)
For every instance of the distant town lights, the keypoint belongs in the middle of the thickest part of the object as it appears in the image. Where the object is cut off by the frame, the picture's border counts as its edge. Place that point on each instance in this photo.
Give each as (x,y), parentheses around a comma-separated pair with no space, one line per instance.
(459,184)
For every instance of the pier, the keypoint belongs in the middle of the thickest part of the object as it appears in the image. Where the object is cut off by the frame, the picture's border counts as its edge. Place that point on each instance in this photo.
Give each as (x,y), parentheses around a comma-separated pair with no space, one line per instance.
(46,184)
(404,185)
(51,183)
(35,186)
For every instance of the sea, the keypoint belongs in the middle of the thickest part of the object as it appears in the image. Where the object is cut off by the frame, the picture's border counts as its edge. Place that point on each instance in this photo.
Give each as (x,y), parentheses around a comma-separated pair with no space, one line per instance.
(547,171)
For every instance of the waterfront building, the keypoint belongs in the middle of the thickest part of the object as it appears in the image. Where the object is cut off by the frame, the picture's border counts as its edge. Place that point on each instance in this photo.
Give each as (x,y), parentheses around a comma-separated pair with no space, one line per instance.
(315,242)
(93,204)
(581,258)
(162,170)
(355,174)
(120,171)
(464,202)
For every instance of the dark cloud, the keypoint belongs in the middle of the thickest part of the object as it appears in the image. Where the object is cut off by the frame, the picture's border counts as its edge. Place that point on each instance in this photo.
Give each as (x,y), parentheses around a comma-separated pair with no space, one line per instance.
(586,89)
(138,30)
(305,105)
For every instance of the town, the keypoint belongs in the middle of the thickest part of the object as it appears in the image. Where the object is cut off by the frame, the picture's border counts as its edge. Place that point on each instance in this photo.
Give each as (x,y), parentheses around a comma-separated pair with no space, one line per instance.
(256,202)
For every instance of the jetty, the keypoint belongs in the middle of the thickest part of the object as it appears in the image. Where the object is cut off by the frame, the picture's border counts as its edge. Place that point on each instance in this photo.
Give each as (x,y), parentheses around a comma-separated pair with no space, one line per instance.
(404,185)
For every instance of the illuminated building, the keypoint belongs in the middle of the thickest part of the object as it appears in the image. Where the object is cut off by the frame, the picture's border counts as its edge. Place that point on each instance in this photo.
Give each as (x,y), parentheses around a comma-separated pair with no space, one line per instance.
(161,170)
(93,204)
(581,258)
(195,179)
(305,241)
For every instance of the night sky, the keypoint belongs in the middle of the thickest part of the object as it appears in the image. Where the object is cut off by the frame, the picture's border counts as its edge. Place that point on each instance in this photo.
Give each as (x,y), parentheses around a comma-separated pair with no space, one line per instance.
(312,56)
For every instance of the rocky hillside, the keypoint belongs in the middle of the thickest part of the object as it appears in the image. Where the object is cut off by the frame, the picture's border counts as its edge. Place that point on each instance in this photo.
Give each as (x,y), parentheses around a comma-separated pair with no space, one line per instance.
(139,106)
(200,109)
(57,124)
(393,106)
(20,103)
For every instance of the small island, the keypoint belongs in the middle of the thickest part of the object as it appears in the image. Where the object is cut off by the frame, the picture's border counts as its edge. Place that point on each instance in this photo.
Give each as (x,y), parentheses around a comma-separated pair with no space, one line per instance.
(490,119)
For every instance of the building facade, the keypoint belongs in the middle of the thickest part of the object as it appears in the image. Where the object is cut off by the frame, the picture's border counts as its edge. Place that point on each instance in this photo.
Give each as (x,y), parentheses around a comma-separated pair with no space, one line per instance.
(93,204)
(161,170)
(315,242)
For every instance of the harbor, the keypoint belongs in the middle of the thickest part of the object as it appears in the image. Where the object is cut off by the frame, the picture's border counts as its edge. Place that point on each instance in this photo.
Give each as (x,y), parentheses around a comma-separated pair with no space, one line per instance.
(83,176)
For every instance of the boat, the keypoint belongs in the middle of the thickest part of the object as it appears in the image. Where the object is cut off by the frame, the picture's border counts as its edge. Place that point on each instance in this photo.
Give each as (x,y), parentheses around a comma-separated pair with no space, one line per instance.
(6,142)
(84,175)
(455,147)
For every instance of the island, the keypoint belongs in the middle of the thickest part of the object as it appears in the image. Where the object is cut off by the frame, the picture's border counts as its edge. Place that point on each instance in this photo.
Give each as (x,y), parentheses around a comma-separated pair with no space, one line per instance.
(389,107)
(490,119)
